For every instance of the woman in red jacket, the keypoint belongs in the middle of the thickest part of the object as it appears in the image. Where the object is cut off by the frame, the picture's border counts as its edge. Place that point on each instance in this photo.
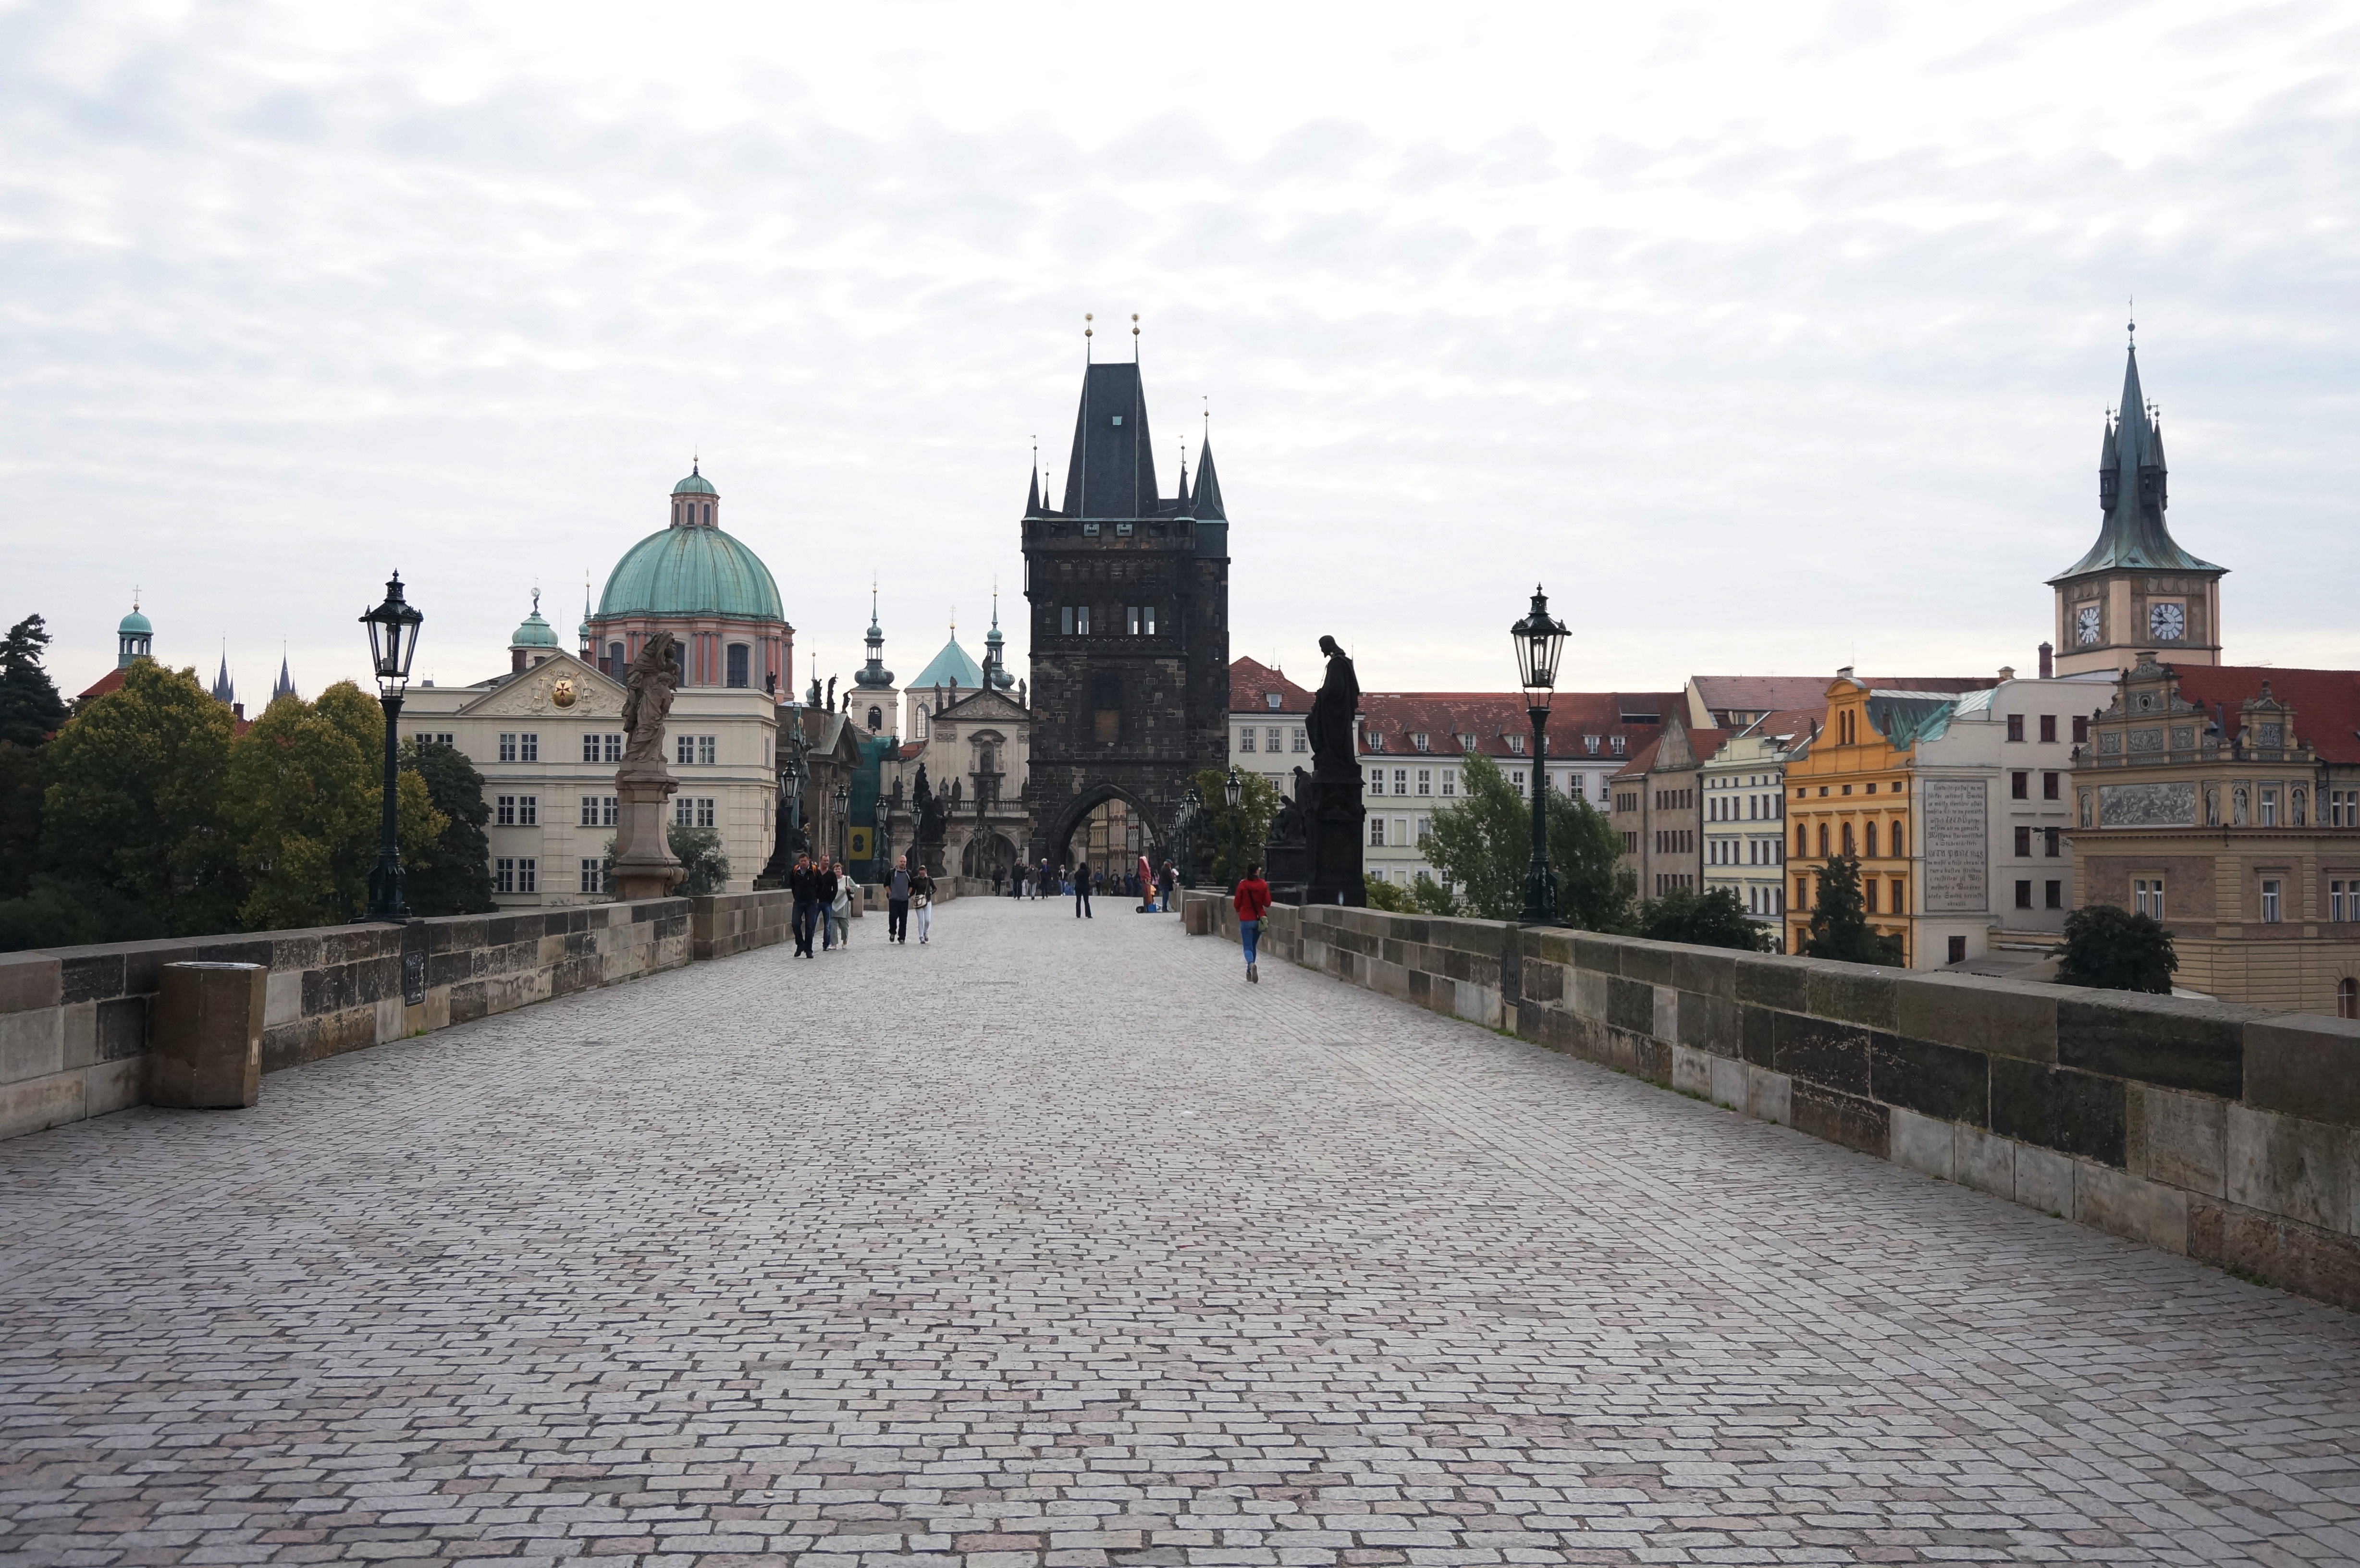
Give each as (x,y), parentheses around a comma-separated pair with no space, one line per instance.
(1252,901)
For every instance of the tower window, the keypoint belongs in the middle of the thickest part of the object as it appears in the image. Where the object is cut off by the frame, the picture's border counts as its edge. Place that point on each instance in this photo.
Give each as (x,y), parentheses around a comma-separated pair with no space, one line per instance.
(1118,418)
(737,654)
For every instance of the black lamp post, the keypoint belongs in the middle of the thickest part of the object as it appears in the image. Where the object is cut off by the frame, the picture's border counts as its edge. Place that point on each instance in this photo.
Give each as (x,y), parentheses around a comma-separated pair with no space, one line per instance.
(1234,789)
(393,643)
(843,823)
(1539,642)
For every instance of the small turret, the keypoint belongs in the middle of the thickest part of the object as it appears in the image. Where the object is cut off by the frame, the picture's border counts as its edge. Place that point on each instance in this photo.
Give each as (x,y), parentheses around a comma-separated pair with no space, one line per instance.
(133,637)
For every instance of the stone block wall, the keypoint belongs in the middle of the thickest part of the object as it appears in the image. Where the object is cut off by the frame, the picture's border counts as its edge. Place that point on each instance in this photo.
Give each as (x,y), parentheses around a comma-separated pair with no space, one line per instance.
(2230,1134)
(75,1021)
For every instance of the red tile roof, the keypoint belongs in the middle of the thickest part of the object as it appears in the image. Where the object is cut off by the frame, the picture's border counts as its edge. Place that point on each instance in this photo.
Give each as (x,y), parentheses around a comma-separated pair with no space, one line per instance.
(2326,702)
(110,682)
(1753,694)
(1250,683)
(1703,742)
(1492,717)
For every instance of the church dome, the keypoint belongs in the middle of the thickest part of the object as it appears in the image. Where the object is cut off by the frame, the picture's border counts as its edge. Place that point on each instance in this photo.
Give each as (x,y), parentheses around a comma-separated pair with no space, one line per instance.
(135,624)
(688,572)
(696,484)
(534,633)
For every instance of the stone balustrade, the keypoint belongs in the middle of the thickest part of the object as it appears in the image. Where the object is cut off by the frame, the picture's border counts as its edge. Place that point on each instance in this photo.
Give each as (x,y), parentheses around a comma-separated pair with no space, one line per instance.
(2230,1134)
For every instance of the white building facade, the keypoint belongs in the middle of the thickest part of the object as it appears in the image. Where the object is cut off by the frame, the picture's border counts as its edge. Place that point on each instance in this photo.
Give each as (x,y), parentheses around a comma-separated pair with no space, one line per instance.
(1742,790)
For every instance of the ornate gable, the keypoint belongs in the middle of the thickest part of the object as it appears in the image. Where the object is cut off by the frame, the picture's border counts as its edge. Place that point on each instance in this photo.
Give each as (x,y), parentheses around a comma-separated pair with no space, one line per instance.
(559,687)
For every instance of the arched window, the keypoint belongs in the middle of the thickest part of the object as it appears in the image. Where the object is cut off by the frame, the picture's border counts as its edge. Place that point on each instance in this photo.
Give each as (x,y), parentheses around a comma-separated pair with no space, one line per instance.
(1868,840)
(1847,838)
(614,660)
(1823,841)
(876,719)
(1802,839)
(2347,998)
(737,655)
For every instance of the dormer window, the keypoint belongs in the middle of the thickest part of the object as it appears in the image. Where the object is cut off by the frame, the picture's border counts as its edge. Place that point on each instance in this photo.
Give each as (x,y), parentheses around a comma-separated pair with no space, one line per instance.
(1589,744)
(1376,741)
(1515,745)
(1418,740)
(1617,745)
(1271,699)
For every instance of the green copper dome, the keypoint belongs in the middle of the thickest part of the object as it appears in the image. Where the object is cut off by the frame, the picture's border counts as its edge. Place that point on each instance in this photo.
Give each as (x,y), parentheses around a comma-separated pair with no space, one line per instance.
(691,572)
(695,484)
(135,624)
(534,633)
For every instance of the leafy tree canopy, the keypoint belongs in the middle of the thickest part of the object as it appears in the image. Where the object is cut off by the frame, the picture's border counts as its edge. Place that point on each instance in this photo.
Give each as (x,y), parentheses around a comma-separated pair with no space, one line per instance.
(132,801)
(2110,948)
(1257,808)
(1483,841)
(1714,918)
(1390,895)
(458,879)
(1435,898)
(30,709)
(1840,927)
(699,850)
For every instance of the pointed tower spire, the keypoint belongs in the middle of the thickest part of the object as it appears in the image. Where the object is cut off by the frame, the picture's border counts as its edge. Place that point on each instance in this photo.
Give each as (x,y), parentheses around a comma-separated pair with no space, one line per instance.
(995,650)
(1181,500)
(225,690)
(873,676)
(1033,500)
(1208,484)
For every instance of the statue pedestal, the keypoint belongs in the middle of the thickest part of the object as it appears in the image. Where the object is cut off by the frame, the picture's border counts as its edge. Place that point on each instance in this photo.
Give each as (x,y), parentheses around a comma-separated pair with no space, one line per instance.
(645,866)
(1335,827)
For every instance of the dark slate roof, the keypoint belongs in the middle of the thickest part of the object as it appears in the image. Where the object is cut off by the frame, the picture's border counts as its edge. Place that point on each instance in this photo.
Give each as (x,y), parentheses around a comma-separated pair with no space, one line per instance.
(1111,473)
(2133,533)
(1208,495)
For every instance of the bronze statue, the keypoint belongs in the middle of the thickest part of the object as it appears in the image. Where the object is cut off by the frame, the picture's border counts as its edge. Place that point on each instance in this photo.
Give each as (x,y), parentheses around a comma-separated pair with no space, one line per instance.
(1333,711)
(653,679)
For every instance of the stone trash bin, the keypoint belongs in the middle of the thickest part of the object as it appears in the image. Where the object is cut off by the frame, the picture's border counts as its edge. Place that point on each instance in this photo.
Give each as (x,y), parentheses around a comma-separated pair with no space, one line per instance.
(208,1036)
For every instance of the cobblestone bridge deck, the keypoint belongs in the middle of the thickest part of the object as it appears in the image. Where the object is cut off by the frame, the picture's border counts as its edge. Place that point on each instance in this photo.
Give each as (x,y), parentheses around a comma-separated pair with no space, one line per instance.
(1055,1242)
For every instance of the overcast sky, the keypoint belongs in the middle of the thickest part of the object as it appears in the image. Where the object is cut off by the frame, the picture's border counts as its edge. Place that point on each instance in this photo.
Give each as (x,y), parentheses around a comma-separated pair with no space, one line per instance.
(1771,338)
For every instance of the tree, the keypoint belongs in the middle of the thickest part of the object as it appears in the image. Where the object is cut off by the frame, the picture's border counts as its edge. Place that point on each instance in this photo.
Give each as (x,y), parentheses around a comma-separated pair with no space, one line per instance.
(1484,843)
(133,801)
(1257,808)
(1710,919)
(699,851)
(1840,927)
(30,709)
(20,818)
(458,879)
(305,793)
(1391,897)
(2108,947)
(1435,898)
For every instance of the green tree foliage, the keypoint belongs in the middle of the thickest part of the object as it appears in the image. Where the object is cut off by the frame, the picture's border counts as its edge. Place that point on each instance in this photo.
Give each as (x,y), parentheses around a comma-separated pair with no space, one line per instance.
(2108,947)
(1391,897)
(1483,841)
(1840,927)
(1257,808)
(132,801)
(305,795)
(30,709)
(699,850)
(20,818)
(1435,898)
(1714,918)
(457,880)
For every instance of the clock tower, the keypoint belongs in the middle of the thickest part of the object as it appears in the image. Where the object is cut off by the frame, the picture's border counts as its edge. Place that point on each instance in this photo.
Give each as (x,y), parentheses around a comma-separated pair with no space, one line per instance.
(2137,591)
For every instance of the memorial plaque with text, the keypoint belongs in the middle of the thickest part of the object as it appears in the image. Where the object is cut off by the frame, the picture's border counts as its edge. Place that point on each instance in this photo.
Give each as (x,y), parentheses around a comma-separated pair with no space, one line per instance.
(1957,845)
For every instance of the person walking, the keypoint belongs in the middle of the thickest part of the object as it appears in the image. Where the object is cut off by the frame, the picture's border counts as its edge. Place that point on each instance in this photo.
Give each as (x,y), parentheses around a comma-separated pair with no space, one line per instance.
(804,883)
(826,884)
(1252,902)
(922,899)
(841,910)
(1145,877)
(1016,882)
(1171,884)
(897,902)
(1082,891)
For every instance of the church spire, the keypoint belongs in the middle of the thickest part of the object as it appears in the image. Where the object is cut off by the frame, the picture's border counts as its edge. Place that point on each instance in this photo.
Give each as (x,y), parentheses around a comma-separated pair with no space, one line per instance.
(1208,484)
(2131,492)
(873,676)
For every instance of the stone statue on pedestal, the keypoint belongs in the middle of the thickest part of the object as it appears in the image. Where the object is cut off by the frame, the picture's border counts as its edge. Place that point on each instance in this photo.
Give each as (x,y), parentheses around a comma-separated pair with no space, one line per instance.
(645,866)
(1330,816)
(1334,713)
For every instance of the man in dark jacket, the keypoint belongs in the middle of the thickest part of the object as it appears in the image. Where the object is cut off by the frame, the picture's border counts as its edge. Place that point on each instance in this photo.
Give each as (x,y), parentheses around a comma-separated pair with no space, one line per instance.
(1082,891)
(825,883)
(897,902)
(804,883)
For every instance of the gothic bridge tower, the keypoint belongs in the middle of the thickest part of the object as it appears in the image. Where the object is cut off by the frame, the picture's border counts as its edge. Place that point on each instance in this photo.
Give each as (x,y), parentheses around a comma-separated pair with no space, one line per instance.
(1130,596)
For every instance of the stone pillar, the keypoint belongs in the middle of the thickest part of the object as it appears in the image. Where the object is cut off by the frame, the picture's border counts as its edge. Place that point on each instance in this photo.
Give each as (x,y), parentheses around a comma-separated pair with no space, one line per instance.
(1335,826)
(208,1035)
(645,866)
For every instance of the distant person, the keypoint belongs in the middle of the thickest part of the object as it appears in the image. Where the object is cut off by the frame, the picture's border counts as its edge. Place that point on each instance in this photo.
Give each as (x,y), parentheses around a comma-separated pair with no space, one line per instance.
(1143,879)
(1171,884)
(1016,882)
(1081,886)
(841,910)
(897,902)
(804,883)
(826,884)
(922,899)
(1252,901)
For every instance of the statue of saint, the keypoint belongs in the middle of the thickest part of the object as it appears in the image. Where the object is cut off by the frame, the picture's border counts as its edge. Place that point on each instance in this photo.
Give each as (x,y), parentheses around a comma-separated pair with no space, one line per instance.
(1333,753)
(654,677)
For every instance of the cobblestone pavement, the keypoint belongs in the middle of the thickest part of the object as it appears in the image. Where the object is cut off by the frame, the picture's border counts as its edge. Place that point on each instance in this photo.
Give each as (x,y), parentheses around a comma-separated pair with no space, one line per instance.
(1055,1242)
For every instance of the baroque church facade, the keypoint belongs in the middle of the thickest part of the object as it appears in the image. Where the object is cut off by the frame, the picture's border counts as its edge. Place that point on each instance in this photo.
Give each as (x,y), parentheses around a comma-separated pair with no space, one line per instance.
(1128,591)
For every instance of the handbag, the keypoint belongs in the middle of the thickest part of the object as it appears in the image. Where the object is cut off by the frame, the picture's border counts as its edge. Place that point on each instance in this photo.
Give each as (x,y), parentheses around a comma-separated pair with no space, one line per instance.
(922,901)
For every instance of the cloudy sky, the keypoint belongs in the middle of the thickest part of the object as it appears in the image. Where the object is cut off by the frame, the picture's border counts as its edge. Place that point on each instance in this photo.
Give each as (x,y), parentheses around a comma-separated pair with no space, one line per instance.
(1771,337)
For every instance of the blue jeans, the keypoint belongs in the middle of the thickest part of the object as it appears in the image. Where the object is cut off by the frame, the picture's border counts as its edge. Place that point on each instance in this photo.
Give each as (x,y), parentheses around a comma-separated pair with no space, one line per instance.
(1248,935)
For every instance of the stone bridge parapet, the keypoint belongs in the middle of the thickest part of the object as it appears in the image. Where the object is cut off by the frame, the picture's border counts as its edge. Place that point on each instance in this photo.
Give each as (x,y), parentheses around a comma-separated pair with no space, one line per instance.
(2229,1134)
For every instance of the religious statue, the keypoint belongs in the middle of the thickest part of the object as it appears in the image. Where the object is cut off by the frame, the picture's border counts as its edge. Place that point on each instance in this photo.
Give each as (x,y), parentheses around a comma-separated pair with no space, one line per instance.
(653,679)
(1333,712)
(831,693)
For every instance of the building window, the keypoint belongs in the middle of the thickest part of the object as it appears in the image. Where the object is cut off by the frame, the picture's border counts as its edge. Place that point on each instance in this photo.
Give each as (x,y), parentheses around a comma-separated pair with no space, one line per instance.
(1246,738)
(1847,838)
(1868,840)
(527,748)
(2050,783)
(1450,781)
(684,812)
(503,875)
(2024,843)
(2335,900)
(2269,808)
(1270,740)
(1958,949)
(528,810)
(616,661)
(1515,745)
(1401,780)
(2024,895)
(708,749)
(1425,830)
(2019,786)
(2015,726)
(2081,731)
(589,810)
(1898,886)
(737,676)
(1802,892)
(1376,833)
(705,811)
(1426,780)
(1376,780)
(1302,741)
(2049,728)
(504,811)
(1823,841)
(876,719)
(507,747)
(594,877)
(1868,895)
(683,749)
(2147,897)
(602,748)
(2347,998)
(525,875)
(2270,900)
(2053,895)
(1517,779)
(1802,839)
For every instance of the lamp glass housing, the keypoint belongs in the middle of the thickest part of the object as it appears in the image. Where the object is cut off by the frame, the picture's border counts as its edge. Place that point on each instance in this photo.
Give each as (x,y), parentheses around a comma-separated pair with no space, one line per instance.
(393,636)
(1234,787)
(1540,643)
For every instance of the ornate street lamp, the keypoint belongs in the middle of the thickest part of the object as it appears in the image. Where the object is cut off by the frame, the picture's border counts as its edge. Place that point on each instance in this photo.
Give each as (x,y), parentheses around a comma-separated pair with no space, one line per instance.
(843,823)
(1539,641)
(393,643)
(1234,789)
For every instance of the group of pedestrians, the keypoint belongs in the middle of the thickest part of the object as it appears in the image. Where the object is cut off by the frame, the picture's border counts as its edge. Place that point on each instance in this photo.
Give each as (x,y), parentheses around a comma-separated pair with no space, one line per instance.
(1081,882)
(823,895)
(907,890)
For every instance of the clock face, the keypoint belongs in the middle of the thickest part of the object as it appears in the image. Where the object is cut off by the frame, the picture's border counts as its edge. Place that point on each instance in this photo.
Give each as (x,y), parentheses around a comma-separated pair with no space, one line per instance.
(2167,623)
(2086,625)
